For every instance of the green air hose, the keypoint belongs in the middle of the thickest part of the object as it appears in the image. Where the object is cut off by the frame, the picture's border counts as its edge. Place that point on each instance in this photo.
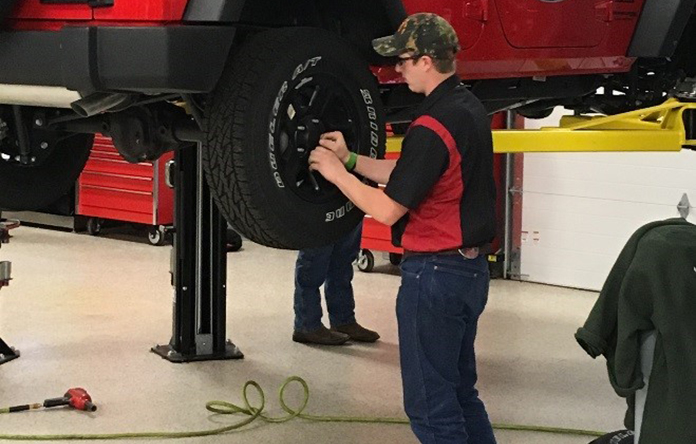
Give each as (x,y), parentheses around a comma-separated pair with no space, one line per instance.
(253,413)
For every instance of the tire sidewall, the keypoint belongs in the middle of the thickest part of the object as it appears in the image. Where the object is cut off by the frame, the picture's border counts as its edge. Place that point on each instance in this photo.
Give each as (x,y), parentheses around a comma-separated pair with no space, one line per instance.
(304,223)
(33,188)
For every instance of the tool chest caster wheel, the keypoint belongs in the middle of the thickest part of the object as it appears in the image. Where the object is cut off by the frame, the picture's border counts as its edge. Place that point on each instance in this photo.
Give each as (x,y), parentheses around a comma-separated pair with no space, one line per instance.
(156,236)
(366,261)
(94,226)
(395,259)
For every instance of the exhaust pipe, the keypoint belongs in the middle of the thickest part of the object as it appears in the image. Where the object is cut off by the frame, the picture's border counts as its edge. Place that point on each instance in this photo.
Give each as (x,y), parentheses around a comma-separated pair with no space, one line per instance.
(98,103)
(30,95)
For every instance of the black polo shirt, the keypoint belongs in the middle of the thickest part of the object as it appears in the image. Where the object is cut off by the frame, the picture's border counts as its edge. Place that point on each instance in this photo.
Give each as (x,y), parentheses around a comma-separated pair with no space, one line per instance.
(444,175)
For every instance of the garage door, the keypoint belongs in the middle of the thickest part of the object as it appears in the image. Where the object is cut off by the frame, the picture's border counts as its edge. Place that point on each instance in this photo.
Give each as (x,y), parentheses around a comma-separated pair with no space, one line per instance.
(579,209)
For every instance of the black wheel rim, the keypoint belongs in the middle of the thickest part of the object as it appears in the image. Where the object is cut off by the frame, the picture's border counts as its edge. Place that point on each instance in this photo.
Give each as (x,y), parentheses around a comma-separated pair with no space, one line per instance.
(311,106)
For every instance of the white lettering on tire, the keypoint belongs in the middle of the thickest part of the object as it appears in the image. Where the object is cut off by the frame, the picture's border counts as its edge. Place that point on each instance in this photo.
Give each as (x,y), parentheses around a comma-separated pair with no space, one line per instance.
(374,149)
(339,212)
(271,132)
(303,66)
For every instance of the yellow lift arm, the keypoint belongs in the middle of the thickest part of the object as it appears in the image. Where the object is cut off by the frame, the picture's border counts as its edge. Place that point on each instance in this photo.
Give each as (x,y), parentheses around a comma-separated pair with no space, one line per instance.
(658,128)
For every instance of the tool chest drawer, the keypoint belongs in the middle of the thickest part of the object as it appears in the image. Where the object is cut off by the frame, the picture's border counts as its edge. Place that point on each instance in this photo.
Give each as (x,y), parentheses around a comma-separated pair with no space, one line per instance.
(135,201)
(112,188)
(104,158)
(117,181)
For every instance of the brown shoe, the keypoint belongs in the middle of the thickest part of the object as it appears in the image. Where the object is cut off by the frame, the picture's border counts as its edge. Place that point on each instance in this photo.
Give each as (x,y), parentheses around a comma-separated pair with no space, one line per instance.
(321,336)
(357,332)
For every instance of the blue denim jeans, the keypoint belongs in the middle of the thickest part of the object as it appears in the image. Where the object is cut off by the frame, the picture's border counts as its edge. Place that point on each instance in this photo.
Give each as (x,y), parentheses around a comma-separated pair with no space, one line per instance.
(331,266)
(438,306)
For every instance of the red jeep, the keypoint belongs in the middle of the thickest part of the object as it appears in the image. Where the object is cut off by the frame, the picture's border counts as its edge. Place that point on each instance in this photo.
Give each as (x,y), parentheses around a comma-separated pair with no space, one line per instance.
(261,79)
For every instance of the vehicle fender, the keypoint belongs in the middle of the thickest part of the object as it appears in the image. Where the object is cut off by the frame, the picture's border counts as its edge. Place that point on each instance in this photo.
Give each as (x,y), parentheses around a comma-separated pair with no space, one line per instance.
(230,11)
(660,27)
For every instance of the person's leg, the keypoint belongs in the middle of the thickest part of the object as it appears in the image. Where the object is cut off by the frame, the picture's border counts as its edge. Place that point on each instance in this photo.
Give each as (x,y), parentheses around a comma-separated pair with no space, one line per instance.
(338,288)
(433,317)
(478,425)
(407,302)
(310,273)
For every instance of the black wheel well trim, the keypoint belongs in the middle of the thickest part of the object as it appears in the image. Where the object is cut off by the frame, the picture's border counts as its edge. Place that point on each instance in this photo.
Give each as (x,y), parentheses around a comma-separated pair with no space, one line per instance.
(231,11)
(358,21)
(660,27)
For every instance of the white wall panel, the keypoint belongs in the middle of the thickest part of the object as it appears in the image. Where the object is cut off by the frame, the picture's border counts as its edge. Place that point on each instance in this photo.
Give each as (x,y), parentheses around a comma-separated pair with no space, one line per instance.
(579,209)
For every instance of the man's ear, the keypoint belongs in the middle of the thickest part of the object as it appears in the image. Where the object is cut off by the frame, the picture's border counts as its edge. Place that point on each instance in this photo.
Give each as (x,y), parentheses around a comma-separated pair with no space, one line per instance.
(428,61)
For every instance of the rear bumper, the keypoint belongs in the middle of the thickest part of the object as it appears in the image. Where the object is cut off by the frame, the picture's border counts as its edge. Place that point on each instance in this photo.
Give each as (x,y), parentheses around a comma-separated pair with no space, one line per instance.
(184,59)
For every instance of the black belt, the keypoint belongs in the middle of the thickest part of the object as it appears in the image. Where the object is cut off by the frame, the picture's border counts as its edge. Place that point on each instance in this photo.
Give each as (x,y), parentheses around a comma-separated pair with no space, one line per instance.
(468,252)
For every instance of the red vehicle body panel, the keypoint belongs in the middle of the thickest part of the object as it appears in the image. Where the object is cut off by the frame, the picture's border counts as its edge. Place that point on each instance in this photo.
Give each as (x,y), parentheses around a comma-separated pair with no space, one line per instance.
(500,38)
(526,38)
(124,10)
(34,9)
(140,10)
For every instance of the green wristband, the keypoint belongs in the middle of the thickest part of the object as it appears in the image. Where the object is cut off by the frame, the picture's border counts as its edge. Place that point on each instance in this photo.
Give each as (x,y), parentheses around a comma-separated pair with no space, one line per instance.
(352,161)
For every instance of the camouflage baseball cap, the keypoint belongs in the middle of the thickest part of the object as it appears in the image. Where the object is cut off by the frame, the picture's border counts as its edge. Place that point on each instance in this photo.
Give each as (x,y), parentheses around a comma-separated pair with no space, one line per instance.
(422,34)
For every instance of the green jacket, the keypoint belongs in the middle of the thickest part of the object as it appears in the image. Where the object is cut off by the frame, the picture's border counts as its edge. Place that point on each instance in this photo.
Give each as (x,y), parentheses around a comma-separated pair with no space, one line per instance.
(652,286)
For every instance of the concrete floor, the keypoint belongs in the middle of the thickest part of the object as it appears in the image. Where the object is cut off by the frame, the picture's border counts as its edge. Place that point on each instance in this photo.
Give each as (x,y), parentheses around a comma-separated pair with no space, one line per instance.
(84,311)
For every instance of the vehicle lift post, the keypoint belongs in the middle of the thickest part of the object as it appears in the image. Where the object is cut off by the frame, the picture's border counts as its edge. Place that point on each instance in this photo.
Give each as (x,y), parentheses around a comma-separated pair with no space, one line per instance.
(199,265)
(7,353)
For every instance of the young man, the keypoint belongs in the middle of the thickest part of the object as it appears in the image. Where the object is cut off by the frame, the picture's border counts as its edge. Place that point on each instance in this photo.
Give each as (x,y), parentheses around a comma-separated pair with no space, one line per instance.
(332,266)
(440,202)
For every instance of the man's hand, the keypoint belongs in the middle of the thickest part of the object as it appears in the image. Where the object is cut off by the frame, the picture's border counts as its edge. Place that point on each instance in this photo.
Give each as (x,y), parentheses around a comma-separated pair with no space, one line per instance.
(335,142)
(327,163)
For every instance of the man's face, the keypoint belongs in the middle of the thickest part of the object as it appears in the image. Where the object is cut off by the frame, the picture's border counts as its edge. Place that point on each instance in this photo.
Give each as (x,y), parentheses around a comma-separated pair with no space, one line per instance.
(413,70)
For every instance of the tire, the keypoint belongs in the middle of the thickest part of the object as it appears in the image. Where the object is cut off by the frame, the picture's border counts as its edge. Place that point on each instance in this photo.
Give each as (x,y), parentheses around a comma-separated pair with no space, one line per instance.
(260,120)
(234,241)
(535,113)
(94,226)
(35,187)
(366,261)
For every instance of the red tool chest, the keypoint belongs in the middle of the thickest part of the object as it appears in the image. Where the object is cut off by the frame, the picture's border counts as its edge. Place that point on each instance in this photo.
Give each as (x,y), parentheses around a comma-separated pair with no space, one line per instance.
(111,188)
(375,235)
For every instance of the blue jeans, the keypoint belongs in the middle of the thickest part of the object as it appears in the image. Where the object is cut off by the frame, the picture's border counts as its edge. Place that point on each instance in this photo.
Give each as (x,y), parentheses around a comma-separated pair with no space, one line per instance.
(331,266)
(439,302)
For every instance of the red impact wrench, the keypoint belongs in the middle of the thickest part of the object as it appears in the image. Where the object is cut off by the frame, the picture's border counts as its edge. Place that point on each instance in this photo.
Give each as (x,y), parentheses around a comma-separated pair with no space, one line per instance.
(77,398)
